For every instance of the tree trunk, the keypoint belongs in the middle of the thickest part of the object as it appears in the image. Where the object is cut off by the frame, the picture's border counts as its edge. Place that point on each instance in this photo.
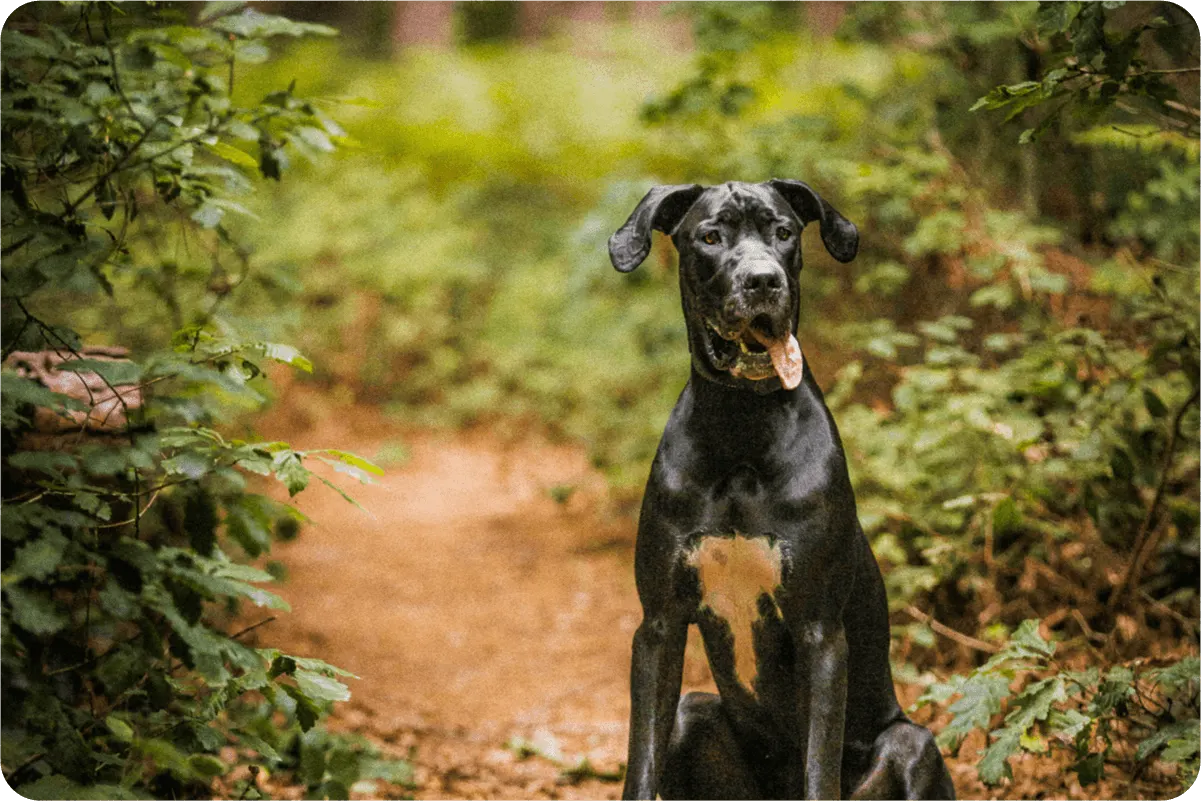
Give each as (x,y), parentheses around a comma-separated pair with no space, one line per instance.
(425,23)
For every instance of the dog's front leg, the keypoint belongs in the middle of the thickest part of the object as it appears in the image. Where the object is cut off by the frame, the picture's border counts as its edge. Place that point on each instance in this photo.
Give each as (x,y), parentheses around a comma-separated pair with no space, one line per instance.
(655,674)
(821,660)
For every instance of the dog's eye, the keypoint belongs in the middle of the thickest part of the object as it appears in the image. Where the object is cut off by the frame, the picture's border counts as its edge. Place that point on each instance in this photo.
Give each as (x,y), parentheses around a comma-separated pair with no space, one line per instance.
(711,238)
(783,233)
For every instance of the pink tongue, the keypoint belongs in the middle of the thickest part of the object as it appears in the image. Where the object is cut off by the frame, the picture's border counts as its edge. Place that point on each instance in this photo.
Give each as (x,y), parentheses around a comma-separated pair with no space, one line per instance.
(785,357)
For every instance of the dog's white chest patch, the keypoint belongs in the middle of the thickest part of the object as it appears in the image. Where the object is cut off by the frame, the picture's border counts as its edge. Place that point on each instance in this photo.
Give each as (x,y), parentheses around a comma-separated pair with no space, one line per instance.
(734,573)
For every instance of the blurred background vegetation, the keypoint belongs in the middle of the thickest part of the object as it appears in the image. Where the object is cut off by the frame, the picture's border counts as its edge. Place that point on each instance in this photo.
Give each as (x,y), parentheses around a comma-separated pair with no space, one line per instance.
(1012,359)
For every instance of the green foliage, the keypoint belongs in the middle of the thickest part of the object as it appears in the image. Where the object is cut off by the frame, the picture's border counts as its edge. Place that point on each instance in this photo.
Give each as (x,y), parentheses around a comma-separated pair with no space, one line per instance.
(123,150)
(1099,68)
(1043,707)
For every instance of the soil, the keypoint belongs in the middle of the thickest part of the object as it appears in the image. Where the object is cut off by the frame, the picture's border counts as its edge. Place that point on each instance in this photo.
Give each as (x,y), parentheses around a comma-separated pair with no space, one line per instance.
(482,610)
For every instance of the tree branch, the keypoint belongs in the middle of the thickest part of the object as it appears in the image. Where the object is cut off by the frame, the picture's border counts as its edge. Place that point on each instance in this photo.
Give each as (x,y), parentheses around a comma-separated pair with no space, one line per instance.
(947,631)
(1148,534)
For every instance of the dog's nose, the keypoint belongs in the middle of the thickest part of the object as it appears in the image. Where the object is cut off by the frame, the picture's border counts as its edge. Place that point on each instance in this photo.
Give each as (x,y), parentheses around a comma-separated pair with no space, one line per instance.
(761,281)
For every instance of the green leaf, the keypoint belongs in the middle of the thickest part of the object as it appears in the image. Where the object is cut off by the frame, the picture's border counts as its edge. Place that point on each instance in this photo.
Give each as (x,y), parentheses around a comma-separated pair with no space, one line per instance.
(38,559)
(207,766)
(1048,282)
(252,23)
(166,757)
(1181,749)
(393,771)
(1091,769)
(1035,702)
(209,215)
(352,460)
(994,765)
(248,521)
(50,787)
(1026,644)
(120,729)
(253,741)
(1006,517)
(281,665)
(101,792)
(315,138)
(20,45)
(216,586)
(219,8)
(982,694)
(52,463)
(285,354)
(321,666)
(1181,730)
(1033,743)
(1067,723)
(1155,406)
(343,765)
(1173,677)
(122,667)
(15,390)
(291,472)
(116,372)
(312,758)
(34,611)
(1115,689)
(234,155)
(999,295)
(333,789)
(1053,16)
(307,711)
(939,331)
(320,687)
(1089,36)
(190,464)
(240,572)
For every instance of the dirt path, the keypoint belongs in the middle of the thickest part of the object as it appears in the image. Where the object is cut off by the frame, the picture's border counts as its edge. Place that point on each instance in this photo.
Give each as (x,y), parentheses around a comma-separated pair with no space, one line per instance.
(475,608)
(479,611)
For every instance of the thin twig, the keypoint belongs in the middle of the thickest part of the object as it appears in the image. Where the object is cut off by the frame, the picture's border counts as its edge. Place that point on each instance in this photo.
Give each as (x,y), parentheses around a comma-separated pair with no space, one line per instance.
(1169,72)
(1089,633)
(1160,606)
(249,629)
(134,519)
(1147,537)
(25,764)
(1172,104)
(947,631)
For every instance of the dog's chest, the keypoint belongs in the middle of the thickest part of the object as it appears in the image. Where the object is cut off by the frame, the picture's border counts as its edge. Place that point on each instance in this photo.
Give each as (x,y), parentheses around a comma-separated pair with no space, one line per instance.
(738,577)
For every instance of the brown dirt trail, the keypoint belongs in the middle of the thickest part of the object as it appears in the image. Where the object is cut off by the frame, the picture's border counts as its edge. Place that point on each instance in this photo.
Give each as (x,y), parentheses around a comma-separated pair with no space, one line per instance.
(474,607)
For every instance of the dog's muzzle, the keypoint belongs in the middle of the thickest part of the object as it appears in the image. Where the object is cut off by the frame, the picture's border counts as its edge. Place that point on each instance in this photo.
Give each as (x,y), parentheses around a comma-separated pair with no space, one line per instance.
(755,349)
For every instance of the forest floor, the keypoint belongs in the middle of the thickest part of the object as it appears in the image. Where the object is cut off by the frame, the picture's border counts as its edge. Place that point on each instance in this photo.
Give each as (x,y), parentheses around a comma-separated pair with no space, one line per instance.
(489,623)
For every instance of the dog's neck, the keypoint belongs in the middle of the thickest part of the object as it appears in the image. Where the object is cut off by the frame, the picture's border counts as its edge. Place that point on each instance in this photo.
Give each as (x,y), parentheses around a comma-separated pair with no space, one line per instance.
(745,421)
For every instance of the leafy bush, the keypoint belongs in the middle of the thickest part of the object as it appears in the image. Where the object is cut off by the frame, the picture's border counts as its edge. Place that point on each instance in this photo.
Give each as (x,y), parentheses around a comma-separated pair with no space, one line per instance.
(1085,712)
(123,151)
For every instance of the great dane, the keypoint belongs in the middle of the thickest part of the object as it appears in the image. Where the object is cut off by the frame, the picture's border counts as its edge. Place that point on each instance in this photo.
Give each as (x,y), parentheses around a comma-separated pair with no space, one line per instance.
(748,529)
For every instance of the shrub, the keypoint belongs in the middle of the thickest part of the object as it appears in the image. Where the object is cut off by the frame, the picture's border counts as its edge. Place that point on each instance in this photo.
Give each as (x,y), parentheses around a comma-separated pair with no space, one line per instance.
(126,535)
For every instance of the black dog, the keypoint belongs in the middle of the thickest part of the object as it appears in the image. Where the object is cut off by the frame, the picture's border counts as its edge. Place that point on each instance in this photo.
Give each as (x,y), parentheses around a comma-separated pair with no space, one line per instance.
(749,530)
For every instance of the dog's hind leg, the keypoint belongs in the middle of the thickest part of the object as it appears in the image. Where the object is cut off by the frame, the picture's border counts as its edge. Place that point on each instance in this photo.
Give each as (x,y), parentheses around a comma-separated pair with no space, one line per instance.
(704,759)
(905,763)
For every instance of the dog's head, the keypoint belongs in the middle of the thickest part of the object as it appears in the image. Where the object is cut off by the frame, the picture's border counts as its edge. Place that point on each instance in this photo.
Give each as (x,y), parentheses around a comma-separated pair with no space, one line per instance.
(740,264)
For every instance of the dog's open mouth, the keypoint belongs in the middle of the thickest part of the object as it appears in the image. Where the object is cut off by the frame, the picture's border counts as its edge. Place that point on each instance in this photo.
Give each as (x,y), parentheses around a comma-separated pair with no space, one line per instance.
(754,352)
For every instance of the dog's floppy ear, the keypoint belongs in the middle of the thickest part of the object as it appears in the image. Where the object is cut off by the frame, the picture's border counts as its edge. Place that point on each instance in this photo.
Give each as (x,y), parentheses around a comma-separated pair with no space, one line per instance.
(661,210)
(839,234)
